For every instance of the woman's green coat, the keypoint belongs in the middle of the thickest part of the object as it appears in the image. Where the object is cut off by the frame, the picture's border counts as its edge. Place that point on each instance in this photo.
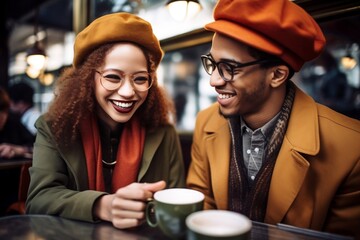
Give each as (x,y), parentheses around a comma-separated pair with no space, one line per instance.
(59,181)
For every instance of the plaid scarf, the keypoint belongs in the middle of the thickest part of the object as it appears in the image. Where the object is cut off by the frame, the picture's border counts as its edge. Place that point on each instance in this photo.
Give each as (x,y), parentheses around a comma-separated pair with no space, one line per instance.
(251,199)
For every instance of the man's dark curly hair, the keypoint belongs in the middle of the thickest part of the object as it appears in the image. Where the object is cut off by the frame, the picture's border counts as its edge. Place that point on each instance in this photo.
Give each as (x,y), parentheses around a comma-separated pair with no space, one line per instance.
(273,60)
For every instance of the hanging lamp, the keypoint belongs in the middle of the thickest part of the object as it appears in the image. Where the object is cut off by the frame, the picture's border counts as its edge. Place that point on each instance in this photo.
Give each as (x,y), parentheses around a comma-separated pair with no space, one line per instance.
(36,56)
(181,10)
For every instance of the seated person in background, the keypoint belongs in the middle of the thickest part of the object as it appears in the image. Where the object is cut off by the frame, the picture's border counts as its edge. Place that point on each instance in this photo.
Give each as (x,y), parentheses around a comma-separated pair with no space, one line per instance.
(15,139)
(22,103)
(15,142)
(107,143)
(266,149)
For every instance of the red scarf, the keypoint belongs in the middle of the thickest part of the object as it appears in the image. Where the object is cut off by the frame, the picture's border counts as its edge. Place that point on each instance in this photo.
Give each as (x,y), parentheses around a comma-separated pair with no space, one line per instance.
(128,157)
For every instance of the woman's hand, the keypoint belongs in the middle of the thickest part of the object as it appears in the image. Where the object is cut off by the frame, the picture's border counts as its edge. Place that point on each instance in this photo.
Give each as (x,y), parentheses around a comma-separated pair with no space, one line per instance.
(125,208)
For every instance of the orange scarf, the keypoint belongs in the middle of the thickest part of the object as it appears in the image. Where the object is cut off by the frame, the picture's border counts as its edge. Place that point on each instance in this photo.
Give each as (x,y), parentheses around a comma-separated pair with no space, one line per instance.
(128,157)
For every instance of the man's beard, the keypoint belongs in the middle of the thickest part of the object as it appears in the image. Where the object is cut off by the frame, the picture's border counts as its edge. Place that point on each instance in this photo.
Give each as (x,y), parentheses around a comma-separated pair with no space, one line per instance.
(256,95)
(227,116)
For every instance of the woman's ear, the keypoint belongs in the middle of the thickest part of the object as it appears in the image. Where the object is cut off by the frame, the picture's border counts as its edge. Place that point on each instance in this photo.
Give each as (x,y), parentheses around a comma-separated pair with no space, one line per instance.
(280,74)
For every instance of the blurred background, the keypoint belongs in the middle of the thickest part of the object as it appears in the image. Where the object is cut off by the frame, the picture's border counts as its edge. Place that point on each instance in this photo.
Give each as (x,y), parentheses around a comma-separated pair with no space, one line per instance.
(48,27)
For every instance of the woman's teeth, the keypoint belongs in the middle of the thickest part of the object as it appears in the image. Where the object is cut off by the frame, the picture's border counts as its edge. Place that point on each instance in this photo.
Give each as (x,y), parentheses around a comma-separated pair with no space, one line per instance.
(124,104)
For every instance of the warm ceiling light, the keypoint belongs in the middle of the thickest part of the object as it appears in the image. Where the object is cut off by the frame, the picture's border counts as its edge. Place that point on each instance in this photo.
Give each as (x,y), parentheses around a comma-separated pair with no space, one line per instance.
(36,57)
(183,9)
(47,79)
(32,72)
(348,62)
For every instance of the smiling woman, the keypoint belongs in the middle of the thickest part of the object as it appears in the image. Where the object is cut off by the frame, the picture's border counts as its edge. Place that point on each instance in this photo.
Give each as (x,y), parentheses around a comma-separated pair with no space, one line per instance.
(108,130)
(120,90)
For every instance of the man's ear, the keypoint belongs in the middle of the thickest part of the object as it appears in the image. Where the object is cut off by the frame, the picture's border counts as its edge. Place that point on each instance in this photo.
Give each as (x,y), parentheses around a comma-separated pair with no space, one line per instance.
(280,74)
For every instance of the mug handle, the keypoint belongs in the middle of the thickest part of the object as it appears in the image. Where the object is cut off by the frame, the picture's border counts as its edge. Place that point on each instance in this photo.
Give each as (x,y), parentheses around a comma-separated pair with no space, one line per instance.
(150,214)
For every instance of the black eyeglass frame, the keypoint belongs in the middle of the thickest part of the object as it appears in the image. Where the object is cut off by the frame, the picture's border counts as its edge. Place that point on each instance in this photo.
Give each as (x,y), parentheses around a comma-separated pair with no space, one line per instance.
(131,82)
(232,66)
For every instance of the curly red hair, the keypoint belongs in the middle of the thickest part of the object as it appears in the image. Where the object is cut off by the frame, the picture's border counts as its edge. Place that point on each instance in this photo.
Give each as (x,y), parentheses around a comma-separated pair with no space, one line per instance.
(75,99)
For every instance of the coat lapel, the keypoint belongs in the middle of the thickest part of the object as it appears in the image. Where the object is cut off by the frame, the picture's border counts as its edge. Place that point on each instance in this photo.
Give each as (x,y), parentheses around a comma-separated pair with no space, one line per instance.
(152,142)
(77,164)
(289,173)
(218,144)
(302,137)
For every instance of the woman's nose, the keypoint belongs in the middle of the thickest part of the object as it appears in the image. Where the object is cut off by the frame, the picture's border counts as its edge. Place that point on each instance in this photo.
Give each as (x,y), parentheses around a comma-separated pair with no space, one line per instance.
(126,89)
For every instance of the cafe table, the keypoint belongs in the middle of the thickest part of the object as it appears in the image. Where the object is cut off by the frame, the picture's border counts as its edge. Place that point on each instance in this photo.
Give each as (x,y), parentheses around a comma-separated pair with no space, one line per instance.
(6,163)
(45,227)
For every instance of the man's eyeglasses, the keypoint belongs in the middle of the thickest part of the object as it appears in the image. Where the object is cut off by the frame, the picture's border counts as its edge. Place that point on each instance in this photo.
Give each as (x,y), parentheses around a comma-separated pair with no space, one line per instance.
(113,79)
(226,69)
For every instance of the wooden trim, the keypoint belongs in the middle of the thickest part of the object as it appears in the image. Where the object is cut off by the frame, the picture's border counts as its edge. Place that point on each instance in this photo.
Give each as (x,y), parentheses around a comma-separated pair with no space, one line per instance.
(321,10)
(80,15)
(324,10)
(189,39)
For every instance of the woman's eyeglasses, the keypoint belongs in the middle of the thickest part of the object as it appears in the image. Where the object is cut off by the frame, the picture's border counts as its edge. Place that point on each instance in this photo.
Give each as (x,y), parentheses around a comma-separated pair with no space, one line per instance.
(226,69)
(113,79)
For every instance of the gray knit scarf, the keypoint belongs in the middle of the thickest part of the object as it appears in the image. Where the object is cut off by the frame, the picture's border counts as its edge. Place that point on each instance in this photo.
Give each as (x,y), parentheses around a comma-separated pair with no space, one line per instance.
(247,198)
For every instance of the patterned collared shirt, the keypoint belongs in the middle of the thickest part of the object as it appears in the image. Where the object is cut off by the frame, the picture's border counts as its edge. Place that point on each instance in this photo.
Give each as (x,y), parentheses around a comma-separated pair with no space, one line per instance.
(254,145)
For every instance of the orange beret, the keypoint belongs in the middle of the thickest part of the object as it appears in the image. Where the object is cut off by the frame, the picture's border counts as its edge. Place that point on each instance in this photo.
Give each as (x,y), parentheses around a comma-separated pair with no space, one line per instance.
(278,27)
(116,27)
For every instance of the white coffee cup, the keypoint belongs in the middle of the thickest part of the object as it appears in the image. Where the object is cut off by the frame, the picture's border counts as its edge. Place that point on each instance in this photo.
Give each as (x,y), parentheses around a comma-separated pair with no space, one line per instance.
(217,224)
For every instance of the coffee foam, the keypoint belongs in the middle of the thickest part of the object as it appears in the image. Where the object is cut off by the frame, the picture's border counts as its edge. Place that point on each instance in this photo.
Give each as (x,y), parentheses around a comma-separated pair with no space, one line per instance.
(218,223)
(179,196)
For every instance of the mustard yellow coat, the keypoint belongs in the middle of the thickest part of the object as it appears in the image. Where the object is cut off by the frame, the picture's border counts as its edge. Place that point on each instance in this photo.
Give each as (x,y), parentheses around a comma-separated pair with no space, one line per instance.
(316,180)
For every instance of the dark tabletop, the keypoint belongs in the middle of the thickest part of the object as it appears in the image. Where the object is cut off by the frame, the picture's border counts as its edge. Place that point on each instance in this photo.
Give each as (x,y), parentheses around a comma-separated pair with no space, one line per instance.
(6,163)
(50,227)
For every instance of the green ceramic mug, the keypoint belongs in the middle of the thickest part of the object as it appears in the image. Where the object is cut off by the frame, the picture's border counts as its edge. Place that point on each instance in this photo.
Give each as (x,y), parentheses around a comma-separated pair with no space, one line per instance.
(170,208)
(218,225)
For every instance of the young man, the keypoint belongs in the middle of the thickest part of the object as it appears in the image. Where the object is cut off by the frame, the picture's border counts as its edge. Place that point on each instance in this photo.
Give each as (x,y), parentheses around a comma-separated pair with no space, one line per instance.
(266,149)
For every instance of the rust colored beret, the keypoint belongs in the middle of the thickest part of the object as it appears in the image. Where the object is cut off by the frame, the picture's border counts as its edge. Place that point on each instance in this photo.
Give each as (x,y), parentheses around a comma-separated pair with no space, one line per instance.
(116,27)
(278,27)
